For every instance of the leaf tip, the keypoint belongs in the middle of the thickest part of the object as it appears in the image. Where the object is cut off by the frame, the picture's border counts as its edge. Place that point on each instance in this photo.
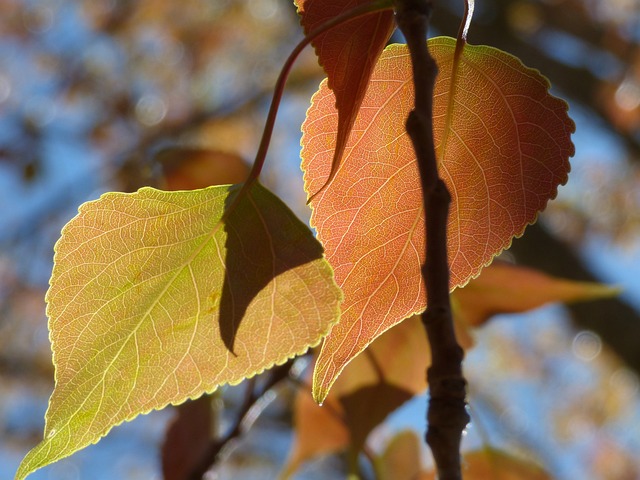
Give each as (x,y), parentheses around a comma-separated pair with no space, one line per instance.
(320,389)
(597,291)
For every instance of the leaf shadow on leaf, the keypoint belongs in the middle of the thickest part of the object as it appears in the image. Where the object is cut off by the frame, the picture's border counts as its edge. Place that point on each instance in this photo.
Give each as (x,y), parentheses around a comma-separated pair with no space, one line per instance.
(254,260)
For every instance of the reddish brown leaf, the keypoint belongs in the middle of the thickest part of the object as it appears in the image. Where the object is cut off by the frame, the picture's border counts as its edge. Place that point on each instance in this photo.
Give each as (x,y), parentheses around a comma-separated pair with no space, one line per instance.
(348,54)
(506,153)
(187,438)
(365,409)
(506,288)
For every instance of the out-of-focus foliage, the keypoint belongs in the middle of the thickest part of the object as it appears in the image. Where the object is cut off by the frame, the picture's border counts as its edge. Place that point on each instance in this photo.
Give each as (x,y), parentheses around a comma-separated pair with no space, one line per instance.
(376,383)
(91,91)
(506,288)
(126,74)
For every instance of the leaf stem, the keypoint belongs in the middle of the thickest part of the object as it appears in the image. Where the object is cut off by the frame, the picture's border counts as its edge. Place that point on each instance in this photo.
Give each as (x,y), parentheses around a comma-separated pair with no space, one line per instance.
(446,416)
(461,41)
(352,14)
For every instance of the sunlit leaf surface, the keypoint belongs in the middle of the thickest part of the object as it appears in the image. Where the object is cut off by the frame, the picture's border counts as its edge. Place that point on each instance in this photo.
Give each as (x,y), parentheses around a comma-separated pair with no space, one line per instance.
(154,300)
(506,153)
(348,54)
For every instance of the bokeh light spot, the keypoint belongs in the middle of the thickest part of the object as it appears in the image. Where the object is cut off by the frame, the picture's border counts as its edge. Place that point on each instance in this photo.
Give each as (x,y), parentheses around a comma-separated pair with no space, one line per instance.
(38,20)
(150,110)
(625,382)
(586,346)
(263,9)
(627,95)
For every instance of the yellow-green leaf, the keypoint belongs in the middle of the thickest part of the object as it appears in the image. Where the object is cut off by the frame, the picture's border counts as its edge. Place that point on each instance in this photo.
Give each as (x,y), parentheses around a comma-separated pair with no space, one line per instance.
(155,299)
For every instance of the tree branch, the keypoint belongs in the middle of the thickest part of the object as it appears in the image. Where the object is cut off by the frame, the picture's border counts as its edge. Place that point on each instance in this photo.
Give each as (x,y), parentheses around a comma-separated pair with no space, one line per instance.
(216,447)
(447,416)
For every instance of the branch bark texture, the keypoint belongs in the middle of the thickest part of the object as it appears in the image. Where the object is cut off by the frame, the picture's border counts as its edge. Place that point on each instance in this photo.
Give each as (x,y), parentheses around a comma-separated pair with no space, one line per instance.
(447,416)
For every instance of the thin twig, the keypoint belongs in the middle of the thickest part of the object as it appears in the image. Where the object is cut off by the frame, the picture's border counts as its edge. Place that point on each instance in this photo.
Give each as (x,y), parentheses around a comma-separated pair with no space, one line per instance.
(447,416)
(359,11)
(216,447)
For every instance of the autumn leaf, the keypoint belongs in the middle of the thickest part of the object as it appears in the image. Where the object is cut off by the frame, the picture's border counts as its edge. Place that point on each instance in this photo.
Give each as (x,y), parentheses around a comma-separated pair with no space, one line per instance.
(507,288)
(490,463)
(389,373)
(318,431)
(507,151)
(402,458)
(155,299)
(187,438)
(348,54)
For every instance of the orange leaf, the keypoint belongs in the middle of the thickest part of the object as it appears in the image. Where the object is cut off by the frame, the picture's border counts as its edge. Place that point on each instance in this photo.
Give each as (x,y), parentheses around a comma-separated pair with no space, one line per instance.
(507,151)
(348,54)
(374,385)
(506,288)
(319,431)
(484,464)
(493,464)
(402,458)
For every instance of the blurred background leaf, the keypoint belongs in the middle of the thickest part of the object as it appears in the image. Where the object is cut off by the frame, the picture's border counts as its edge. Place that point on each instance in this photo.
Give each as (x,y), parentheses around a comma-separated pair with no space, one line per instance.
(91,91)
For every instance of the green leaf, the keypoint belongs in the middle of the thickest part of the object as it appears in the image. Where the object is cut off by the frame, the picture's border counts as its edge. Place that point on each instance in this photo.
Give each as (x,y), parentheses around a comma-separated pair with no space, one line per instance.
(156,298)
